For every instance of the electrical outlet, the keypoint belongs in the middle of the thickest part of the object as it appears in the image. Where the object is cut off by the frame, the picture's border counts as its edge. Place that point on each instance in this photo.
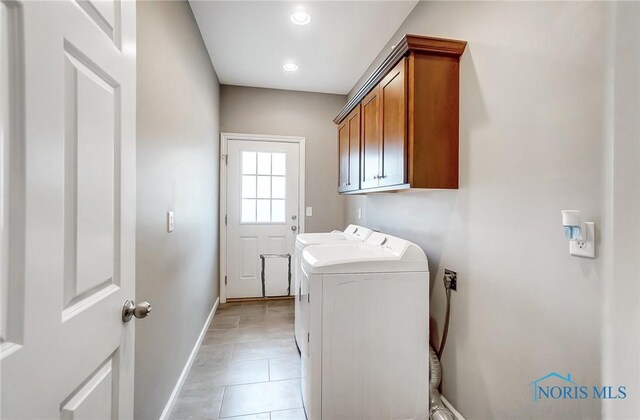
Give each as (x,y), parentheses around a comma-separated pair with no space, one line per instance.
(451,279)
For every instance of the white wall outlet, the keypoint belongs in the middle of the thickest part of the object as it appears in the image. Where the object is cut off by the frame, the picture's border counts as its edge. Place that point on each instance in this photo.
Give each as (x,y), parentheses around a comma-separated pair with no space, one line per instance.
(170,221)
(359,214)
(309,211)
(586,248)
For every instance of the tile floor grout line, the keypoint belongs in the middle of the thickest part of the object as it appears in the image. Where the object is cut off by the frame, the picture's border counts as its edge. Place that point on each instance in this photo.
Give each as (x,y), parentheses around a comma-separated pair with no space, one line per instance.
(258,382)
(263,382)
(252,414)
(224,391)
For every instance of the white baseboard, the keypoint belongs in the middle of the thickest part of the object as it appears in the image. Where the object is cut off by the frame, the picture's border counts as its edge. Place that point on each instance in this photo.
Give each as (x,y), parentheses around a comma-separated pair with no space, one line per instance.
(185,371)
(453,410)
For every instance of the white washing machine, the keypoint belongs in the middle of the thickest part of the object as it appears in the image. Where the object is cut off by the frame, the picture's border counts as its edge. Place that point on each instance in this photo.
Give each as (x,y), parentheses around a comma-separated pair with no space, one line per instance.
(351,233)
(367,311)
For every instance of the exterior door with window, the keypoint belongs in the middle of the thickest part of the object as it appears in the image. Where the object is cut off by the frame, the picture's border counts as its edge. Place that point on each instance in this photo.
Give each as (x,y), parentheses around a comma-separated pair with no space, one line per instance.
(262,216)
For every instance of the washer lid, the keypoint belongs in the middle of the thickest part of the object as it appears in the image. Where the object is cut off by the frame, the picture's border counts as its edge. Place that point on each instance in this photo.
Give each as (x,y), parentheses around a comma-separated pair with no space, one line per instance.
(379,254)
(351,233)
(306,239)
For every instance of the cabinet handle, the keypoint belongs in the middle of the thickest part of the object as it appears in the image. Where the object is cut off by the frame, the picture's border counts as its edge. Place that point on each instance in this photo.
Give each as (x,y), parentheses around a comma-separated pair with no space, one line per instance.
(376,177)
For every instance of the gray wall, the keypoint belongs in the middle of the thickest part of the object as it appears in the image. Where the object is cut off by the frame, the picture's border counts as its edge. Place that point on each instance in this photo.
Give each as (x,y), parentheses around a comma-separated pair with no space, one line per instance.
(178,114)
(310,115)
(535,122)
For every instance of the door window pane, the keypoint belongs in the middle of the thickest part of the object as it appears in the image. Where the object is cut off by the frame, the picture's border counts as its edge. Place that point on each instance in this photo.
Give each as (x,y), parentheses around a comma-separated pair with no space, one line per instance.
(264,163)
(248,186)
(248,211)
(263,211)
(279,164)
(264,189)
(277,211)
(248,162)
(277,187)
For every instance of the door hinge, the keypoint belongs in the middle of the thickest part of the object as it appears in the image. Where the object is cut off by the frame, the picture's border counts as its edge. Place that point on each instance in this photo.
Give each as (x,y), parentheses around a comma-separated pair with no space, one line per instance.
(226,159)
(225,219)
(307,337)
(225,280)
(308,297)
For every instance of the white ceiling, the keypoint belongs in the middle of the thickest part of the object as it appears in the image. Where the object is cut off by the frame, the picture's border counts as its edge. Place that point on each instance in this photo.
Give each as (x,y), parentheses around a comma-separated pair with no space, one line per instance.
(249,41)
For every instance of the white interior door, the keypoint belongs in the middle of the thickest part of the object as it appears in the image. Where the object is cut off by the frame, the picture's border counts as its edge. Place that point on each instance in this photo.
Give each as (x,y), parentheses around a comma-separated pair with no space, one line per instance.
(68,205)
(262,216)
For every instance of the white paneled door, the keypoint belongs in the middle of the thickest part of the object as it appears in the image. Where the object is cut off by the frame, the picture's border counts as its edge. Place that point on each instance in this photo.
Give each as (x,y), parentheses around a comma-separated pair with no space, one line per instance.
(68,83)
(262,200)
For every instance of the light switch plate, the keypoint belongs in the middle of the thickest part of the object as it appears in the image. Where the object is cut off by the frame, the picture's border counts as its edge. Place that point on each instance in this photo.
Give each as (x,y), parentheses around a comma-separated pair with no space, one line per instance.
(309,211)
(588,249)
(359,214)
(170,221)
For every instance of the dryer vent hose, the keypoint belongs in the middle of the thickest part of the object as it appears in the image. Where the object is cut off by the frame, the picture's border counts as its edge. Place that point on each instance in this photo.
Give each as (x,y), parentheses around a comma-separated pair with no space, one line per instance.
(437,410)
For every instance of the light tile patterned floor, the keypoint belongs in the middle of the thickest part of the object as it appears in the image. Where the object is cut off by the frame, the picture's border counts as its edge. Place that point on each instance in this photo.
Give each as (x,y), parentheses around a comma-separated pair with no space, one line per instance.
(247,368)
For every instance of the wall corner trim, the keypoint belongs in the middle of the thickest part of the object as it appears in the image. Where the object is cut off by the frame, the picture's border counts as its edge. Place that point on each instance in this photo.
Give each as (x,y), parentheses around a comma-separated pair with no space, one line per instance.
(185,371)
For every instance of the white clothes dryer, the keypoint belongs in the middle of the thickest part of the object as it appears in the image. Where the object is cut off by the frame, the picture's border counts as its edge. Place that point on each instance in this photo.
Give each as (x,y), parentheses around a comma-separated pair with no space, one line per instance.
(367,315)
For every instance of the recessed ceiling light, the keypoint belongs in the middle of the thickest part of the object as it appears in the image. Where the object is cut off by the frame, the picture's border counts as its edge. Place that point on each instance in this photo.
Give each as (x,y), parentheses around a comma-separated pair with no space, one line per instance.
(290,67)
(300,17)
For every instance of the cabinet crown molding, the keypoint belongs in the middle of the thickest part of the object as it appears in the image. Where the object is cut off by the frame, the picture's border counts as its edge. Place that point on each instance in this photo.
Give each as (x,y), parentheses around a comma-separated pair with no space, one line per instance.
(409,43)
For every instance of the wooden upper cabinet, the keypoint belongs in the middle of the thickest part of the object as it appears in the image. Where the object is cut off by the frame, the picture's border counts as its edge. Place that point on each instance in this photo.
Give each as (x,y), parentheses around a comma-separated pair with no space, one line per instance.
(393,98)
(409,118)
(349,152)
(371,140)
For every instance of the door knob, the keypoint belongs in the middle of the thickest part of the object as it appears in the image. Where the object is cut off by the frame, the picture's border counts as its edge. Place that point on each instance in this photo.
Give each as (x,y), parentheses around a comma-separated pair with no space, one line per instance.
(294,228)
(130,309)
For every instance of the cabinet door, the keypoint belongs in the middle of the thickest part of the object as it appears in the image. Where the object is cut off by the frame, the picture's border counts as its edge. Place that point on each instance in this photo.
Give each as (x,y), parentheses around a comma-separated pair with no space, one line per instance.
(343,156)
(371,141)
(393,99)
(349,152)
(354,150)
